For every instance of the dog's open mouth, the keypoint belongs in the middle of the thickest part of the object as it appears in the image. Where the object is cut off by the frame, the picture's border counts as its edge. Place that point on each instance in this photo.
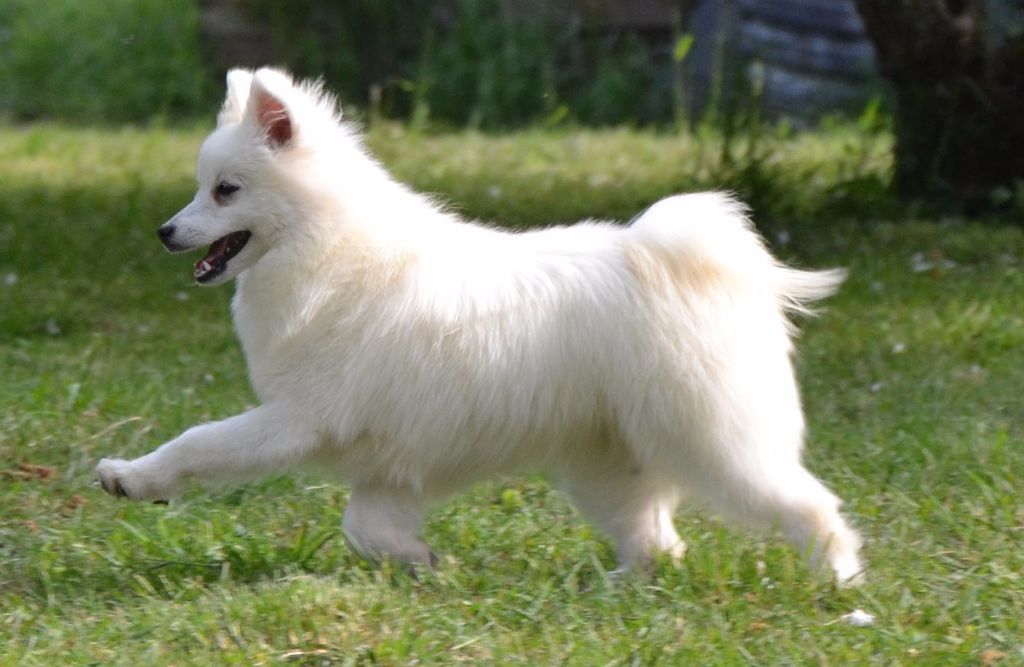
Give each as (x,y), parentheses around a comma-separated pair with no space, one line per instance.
(220,252)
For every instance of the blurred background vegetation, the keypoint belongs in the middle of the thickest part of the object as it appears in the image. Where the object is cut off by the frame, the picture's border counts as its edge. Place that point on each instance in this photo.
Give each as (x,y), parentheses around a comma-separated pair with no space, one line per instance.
(748,72)
(103,61)
(481,63)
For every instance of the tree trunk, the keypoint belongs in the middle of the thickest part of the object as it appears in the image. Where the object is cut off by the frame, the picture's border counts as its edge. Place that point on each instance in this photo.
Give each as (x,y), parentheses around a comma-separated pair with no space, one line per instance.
(960,100)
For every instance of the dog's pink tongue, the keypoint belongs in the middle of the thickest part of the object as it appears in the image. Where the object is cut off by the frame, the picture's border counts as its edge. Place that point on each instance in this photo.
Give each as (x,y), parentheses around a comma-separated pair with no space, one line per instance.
(217,249)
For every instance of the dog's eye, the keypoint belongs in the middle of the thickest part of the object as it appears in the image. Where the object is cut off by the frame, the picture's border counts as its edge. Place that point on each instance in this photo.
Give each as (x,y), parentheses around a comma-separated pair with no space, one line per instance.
(225,189)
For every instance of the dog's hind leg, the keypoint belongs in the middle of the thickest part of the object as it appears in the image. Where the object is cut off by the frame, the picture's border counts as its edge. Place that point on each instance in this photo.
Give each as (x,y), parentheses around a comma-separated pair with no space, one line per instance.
(384,522)
(631,507)
(749,470)
(783,493)
(809,517)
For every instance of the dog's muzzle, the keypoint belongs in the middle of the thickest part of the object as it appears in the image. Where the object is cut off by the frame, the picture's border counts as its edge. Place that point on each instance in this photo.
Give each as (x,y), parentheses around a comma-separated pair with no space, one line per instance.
(166,234)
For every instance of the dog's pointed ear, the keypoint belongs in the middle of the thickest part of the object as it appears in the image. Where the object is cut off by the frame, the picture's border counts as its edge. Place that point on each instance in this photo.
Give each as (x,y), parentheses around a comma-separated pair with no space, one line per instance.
(239,81)
(267,109)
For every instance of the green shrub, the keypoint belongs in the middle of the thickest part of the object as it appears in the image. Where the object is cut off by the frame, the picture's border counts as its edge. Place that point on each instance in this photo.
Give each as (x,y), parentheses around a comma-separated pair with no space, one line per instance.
(102,60)
(479,66)
(461,63)
(355,45)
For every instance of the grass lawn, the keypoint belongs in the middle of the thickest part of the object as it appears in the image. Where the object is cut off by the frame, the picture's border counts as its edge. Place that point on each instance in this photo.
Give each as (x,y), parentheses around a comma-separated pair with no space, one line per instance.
(912,377)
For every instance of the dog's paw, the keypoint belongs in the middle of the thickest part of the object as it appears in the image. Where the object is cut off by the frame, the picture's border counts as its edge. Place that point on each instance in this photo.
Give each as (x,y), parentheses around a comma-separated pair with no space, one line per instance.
(119,478)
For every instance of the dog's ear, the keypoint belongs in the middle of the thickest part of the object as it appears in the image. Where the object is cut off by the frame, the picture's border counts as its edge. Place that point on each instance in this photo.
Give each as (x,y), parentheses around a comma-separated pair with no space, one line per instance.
(267,109)
(239,81)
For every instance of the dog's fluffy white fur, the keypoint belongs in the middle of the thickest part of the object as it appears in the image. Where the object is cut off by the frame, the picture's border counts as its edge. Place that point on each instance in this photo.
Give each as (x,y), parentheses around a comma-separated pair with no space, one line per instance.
(414,353)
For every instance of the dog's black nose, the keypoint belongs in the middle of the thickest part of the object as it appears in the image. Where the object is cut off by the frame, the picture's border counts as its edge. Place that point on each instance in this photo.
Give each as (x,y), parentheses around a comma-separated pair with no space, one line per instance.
(165,232)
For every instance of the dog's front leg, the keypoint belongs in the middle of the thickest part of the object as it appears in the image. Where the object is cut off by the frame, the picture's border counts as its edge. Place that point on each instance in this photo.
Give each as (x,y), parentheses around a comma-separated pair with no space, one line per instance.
(385,522)
(254,443)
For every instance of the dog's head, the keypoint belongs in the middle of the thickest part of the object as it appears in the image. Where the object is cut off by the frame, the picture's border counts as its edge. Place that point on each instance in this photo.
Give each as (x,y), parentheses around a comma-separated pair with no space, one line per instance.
(246,173)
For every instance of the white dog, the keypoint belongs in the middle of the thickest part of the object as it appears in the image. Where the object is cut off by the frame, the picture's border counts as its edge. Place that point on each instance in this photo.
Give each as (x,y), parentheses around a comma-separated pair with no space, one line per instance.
(414,353)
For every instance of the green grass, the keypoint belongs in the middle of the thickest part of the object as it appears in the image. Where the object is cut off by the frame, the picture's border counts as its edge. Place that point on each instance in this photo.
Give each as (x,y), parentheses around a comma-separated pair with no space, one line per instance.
(912,381)
(103,61)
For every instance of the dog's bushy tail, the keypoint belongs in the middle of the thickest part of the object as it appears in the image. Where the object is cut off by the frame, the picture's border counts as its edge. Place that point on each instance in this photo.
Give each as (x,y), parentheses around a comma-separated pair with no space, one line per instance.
(706,239)
(798,289)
